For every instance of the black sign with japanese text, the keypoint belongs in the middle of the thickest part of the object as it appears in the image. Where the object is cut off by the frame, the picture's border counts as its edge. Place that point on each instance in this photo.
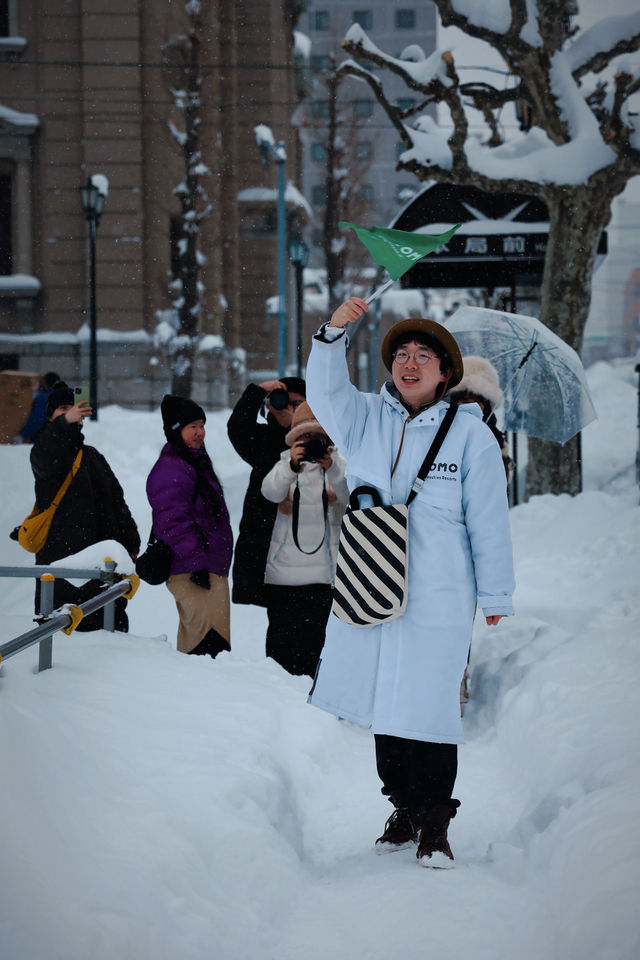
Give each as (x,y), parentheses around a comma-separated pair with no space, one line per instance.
(502,240)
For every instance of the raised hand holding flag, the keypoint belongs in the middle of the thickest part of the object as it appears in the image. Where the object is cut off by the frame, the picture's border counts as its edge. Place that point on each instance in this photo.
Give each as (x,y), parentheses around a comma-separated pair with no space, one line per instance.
(397,250)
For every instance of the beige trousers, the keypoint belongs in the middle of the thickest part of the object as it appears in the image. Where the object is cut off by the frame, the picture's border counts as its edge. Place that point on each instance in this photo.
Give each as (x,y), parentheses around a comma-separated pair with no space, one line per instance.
(199,609)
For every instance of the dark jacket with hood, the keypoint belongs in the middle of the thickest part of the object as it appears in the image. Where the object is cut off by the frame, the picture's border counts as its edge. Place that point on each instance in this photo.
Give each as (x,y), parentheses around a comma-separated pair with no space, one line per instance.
(93,508)
(260,445)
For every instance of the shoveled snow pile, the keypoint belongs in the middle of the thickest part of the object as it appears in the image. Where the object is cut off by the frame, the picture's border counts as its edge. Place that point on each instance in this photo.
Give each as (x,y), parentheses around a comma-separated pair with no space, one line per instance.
(157,806)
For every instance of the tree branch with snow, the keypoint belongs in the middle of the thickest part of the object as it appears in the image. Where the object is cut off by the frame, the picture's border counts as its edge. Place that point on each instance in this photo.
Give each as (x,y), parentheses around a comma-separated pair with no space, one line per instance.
(576,152)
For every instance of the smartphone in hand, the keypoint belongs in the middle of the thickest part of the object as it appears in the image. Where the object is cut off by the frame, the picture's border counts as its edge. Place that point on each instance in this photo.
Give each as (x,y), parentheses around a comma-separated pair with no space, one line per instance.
(81,394)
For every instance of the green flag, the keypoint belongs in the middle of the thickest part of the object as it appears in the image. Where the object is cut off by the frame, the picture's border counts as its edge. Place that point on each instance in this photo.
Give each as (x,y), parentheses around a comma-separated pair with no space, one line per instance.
(398,250)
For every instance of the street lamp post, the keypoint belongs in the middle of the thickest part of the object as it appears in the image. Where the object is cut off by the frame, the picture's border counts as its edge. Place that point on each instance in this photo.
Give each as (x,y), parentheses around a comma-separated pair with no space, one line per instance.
(298,254)
(279,154)
(92,197)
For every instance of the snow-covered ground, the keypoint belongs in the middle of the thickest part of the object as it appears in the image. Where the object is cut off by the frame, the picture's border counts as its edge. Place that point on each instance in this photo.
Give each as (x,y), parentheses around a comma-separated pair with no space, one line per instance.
(156,806)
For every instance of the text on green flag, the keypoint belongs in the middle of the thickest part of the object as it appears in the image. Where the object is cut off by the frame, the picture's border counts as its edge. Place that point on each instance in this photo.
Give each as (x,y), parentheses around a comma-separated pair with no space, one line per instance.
(398,250)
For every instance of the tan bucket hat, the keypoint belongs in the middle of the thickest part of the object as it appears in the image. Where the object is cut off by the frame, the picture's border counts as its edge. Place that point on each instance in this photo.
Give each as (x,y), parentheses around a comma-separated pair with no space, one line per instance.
(430,328)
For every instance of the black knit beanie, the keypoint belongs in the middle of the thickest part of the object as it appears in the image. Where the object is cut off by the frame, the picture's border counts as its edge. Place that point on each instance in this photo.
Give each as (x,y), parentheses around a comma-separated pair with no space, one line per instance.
(177,412)
(61,395)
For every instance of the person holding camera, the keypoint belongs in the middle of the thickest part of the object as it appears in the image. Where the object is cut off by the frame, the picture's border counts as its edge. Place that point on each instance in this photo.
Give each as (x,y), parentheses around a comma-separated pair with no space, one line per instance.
(259,442)
(309,487)
(92,509)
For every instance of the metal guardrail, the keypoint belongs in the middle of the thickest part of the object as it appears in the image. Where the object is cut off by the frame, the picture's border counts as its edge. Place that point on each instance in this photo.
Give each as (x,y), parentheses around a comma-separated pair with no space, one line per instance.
(107,573)
(67,617)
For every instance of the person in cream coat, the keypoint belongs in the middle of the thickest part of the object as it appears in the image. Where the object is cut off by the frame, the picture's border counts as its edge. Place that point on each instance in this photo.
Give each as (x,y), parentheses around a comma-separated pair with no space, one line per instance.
(309,487)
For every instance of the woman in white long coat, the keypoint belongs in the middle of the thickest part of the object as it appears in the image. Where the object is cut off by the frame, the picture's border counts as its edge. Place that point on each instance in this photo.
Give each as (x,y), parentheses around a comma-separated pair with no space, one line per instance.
(402,679)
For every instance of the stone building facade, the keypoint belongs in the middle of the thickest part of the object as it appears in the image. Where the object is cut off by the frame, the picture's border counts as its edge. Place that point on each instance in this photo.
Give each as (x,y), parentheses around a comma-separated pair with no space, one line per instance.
(82,92)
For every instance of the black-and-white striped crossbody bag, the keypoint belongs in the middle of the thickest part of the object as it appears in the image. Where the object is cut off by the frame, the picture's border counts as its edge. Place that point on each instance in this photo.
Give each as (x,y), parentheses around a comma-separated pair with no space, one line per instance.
(373,554)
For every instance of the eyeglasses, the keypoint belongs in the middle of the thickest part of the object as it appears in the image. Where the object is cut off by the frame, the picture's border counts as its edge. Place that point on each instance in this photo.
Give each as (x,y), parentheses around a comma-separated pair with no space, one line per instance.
(420,356)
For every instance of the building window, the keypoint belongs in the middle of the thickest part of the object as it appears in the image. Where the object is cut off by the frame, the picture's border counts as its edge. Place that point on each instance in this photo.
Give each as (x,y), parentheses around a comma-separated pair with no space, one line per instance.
(400,148)
(364,150)
(406,103)
(319,195)
(364,194)
(4,18)
(405,19)
(364,18)
(6,258)
(320,63)
(320,19)
(318,152)
(319,108)
(362,108)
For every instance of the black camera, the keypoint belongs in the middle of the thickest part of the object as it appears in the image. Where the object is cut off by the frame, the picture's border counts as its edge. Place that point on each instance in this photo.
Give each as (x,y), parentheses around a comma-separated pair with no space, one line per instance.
(315,448)
(278,399)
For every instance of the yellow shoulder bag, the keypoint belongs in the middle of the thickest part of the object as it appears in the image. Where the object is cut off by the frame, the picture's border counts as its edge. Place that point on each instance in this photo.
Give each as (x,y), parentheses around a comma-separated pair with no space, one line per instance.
(34,529)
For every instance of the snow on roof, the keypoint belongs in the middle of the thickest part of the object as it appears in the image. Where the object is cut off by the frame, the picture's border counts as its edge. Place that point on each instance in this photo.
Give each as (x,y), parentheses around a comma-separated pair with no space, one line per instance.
(114,336)
(267,195)
(19,283)
(486,227)
(18,119)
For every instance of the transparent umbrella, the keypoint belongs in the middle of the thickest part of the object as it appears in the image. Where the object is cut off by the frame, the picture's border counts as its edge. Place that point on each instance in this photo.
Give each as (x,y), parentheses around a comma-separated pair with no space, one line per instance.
(542,377)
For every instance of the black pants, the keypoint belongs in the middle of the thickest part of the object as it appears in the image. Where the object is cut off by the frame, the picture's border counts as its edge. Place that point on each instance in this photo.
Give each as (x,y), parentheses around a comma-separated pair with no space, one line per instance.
(416,774)
(65,592)
(297,621)
(211,645)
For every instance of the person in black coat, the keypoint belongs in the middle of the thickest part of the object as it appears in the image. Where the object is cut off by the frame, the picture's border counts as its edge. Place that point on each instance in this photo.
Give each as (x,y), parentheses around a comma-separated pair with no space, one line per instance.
(92,509)
(260,445)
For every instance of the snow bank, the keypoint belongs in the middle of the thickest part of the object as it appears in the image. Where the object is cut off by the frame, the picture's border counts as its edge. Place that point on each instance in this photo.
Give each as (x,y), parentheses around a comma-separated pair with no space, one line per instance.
(157,805)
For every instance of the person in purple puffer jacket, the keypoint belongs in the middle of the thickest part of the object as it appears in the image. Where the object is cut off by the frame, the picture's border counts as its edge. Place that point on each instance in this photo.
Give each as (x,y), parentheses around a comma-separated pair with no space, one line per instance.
(190,514)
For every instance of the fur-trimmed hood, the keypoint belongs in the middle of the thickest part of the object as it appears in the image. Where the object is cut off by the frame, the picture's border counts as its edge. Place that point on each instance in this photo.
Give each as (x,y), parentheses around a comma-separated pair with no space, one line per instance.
(481,378)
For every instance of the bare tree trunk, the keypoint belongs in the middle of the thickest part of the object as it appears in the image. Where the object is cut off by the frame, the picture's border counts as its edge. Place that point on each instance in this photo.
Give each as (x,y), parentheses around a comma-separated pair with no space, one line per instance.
(577,216)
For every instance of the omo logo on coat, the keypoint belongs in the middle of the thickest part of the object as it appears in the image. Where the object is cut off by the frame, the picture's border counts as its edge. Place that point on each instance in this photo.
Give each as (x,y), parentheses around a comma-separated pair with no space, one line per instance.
(443,471)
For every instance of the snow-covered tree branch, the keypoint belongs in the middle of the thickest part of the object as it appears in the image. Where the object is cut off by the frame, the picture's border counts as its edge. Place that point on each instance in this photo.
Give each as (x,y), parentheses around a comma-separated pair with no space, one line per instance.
(576,152)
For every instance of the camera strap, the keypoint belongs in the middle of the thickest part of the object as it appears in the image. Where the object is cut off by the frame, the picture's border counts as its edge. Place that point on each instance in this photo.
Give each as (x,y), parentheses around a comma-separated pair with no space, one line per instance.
(295,516)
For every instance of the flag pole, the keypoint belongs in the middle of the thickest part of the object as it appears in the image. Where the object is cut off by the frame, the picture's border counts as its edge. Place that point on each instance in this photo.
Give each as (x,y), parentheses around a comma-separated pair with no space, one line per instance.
(376,293)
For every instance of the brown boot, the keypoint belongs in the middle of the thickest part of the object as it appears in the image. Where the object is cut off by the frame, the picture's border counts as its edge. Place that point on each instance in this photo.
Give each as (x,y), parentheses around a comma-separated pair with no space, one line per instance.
(433,846)
(400,832)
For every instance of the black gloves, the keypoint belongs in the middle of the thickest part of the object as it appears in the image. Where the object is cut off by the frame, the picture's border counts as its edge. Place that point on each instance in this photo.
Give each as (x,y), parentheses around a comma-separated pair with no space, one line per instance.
(200,578)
